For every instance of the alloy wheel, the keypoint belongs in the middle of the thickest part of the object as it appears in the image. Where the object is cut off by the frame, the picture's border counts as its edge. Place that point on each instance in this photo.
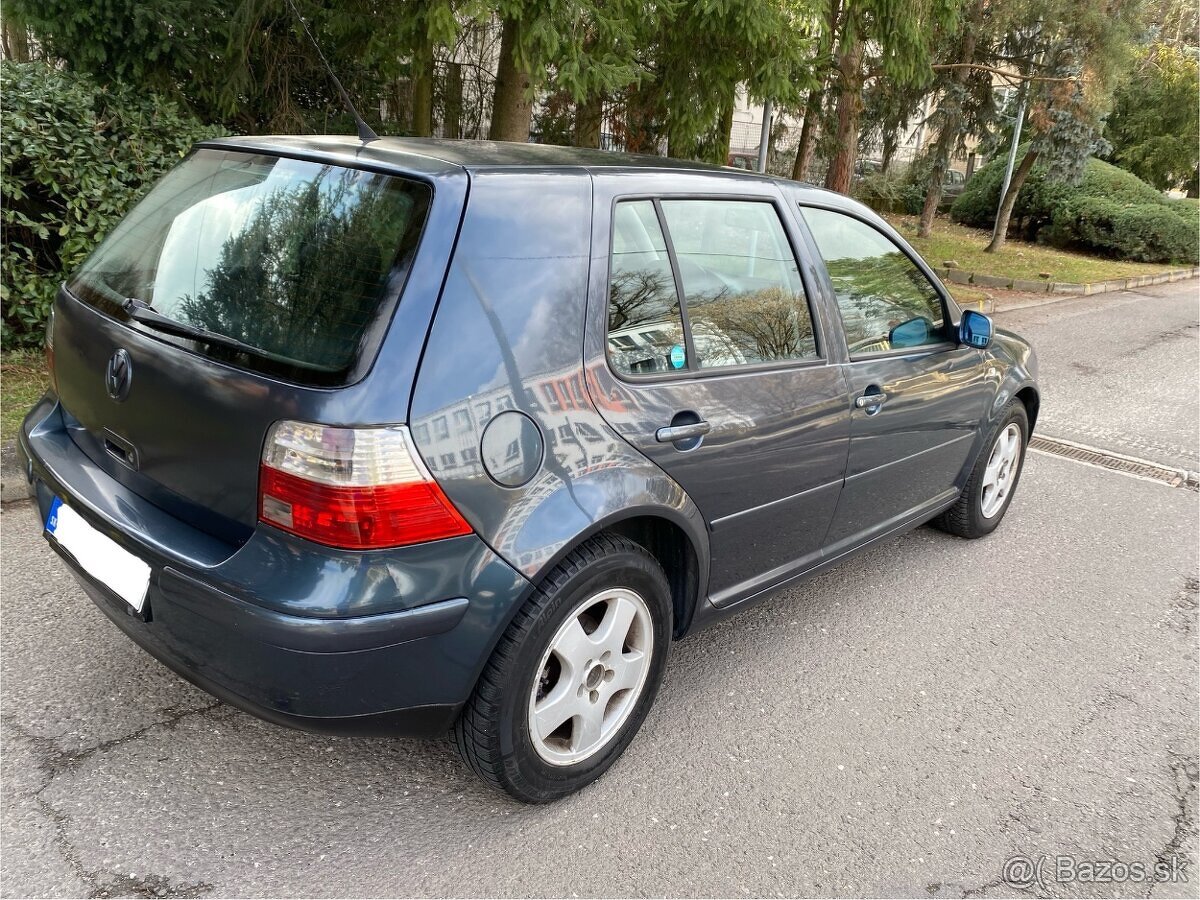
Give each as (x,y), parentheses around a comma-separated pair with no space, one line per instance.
(1001,471)
(591,676)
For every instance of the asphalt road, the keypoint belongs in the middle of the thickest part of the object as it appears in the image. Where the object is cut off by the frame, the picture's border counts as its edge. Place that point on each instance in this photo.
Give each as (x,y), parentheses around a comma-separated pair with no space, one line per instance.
(901,725)
(1119,370)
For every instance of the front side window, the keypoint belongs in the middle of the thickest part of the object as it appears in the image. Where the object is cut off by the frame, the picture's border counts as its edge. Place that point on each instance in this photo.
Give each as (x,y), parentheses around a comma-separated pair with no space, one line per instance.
(293,260)
(744,297)
(645,327)
(886,302)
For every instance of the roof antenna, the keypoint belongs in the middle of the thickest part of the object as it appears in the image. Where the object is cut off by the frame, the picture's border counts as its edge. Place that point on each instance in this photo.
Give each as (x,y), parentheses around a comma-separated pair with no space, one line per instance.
(365,133)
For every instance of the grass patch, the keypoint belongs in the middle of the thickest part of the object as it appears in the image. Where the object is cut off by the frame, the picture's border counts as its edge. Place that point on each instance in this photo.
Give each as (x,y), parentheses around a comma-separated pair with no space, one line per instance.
(967,297)
(23,380)
(1018,259)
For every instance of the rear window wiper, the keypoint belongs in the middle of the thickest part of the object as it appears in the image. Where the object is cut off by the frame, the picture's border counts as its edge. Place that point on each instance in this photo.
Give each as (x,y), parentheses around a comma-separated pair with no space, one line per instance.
(143,312)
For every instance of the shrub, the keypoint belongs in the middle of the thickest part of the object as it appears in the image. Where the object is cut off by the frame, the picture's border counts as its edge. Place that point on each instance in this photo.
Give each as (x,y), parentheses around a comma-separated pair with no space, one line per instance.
(75,156)
(1148,232)
(890,193)
(1109,210)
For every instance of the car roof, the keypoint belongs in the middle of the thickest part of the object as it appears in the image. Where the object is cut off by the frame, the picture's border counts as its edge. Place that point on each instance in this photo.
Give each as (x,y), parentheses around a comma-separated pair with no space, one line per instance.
(439,156)
(467,154)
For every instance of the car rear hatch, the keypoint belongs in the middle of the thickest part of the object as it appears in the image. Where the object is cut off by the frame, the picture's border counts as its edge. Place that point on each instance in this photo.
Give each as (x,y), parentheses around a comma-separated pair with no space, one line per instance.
(246,288)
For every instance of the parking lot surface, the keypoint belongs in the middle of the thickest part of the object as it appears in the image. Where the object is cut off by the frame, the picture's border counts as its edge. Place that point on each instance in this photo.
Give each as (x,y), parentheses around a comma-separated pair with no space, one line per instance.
(902,725)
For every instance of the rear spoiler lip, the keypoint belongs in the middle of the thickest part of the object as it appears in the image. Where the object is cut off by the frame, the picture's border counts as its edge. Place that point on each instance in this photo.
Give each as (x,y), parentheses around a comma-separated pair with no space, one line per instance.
(351,155)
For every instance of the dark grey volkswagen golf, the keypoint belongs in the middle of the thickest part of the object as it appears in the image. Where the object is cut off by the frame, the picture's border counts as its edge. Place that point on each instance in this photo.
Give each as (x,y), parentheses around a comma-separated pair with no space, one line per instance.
(412,437)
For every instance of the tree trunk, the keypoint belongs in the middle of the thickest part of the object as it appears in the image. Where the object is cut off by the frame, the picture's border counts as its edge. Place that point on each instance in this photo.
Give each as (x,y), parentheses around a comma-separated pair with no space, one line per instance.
(1010,200)
(724,130)
(422,90)
(937,174)
(589,117)
(849,108)
(452,126)
(16,40)
(806,149)
(888,153)
(951,122)
(512,110)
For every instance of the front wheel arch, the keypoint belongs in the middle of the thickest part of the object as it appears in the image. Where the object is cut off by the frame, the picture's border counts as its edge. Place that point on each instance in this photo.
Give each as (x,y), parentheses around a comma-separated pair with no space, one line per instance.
(1028,395)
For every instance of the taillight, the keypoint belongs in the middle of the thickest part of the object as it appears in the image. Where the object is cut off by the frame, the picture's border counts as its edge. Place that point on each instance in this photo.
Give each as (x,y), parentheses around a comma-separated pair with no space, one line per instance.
(356,488)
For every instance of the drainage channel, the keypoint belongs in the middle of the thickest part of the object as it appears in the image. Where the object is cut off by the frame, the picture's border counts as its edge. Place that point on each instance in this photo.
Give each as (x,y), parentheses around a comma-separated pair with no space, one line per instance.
(1116,462)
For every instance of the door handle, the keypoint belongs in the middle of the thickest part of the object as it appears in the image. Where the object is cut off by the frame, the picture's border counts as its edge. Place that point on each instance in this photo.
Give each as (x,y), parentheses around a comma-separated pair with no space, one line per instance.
(672,433)
(866,401)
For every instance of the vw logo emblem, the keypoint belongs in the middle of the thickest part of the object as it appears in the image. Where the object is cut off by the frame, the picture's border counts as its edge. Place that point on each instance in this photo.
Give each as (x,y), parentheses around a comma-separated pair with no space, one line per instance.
(118,375)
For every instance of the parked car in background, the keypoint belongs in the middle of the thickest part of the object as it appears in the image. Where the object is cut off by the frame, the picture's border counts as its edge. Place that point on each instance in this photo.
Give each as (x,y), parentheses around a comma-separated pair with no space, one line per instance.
(410,437)
(866,167)
(746,160)
(952,187)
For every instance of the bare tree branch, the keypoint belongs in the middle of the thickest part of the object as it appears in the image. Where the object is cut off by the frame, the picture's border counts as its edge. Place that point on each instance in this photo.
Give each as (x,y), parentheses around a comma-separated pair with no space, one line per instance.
(1003,73)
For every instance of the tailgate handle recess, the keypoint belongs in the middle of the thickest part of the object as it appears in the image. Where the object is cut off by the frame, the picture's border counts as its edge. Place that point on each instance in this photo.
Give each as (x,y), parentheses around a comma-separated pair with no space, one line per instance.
(120,449)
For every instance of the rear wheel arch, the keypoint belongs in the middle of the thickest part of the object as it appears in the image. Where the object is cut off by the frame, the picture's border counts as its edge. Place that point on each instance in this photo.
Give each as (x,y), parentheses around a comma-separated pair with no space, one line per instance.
(670,545)
(668,541)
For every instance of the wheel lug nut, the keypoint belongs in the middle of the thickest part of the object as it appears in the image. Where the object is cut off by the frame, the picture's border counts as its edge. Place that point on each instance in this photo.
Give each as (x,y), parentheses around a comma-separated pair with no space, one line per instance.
(595,695)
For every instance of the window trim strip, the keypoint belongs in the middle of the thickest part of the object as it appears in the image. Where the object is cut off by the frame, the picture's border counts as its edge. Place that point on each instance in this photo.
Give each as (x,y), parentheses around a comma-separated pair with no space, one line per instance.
(689,344)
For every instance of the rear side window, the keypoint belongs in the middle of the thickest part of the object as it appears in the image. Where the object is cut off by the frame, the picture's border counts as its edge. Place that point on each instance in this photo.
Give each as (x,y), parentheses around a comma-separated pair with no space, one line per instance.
(743,299)
(886,302)
(293,259)
(645,328)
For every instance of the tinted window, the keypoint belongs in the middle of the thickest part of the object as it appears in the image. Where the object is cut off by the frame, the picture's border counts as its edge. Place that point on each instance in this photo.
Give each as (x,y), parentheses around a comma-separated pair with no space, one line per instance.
(645,328)
(292,258)
(745,300)
(887,303)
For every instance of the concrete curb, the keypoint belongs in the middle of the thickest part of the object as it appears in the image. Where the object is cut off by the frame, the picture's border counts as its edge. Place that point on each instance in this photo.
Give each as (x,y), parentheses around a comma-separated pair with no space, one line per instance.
(978,279)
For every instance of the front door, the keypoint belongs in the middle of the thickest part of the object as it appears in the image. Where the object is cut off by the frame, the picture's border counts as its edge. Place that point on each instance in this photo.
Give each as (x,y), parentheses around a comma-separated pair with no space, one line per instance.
(716,369)
(916,396)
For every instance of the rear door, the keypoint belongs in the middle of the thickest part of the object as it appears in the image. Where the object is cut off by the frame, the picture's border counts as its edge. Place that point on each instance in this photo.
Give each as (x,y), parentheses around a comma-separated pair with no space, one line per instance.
(286,273)
(916,396)
(717,369)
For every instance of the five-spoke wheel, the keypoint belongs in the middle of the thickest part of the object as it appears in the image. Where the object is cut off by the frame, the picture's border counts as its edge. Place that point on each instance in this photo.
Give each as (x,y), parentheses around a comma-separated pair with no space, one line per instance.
(590,676)
(993,480)
(1001,472)
(573,676)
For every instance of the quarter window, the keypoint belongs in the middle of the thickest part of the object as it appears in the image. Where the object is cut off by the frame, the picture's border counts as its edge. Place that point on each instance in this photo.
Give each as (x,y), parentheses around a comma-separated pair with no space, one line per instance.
(645,327)
(745,300)
(886,302)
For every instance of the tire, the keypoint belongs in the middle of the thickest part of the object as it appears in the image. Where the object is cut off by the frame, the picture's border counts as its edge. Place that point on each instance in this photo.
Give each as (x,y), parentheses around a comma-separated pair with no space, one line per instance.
(973,515)
(542,657)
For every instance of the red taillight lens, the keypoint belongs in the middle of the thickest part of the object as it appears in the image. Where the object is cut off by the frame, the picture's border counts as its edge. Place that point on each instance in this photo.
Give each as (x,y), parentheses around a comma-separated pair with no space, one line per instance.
(356,488)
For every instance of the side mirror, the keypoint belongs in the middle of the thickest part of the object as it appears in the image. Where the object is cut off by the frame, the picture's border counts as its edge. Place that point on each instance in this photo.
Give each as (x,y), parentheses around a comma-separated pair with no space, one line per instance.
(912,333)
(975,330)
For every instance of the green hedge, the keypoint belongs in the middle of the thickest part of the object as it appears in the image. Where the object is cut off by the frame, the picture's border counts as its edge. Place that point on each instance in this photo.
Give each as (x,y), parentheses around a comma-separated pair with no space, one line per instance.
(1147,232)
(75,156)
(1109,211)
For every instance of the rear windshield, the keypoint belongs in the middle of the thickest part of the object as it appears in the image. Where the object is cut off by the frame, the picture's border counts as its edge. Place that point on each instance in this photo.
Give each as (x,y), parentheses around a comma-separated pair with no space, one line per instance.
(294,260)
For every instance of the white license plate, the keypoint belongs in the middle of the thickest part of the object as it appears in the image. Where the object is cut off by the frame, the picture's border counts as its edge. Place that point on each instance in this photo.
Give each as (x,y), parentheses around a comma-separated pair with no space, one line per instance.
(101,557)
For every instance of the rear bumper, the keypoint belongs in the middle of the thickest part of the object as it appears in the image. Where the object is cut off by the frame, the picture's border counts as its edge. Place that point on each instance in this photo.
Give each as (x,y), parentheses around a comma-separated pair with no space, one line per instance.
(271,627)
